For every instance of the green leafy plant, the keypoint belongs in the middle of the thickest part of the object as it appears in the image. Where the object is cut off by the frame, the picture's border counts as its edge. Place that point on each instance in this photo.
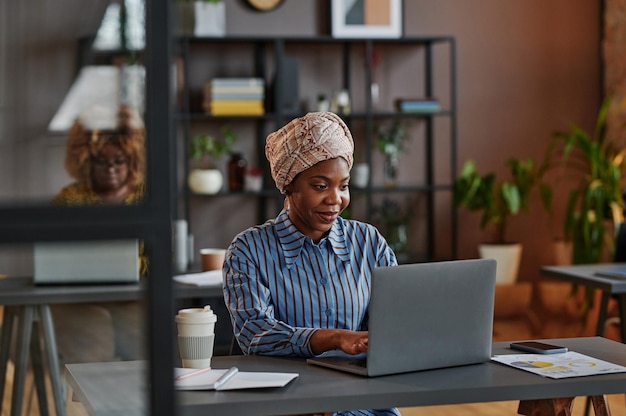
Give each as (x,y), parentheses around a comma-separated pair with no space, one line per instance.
(595,205)
(391,139)
(206,149)
(499,200)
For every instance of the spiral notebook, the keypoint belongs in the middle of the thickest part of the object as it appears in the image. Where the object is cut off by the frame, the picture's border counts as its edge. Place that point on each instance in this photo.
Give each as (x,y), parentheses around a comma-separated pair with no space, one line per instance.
(241,380)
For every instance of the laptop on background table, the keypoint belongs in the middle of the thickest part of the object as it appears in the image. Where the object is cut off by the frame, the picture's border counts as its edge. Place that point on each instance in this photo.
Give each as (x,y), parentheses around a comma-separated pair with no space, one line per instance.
(83,262)
(425,316)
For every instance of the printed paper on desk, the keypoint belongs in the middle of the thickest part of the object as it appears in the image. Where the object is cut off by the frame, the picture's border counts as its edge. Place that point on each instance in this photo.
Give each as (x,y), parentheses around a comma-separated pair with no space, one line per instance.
(210,278)
(565,365)
(241,380)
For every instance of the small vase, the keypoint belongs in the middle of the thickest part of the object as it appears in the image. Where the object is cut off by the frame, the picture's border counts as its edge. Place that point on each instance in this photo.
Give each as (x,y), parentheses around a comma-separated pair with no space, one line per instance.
(391,170)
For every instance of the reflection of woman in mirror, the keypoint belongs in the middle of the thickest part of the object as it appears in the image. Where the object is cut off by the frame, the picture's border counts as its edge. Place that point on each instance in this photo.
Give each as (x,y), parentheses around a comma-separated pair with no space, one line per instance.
(109,168)
(108,165)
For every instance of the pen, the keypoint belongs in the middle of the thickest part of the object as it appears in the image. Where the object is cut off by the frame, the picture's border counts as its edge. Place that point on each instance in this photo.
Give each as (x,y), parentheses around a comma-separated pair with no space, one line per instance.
(193,373)
(225,378)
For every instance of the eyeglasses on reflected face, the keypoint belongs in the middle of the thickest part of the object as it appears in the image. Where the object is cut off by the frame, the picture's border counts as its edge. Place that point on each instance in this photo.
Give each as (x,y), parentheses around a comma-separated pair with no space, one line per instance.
(107,164)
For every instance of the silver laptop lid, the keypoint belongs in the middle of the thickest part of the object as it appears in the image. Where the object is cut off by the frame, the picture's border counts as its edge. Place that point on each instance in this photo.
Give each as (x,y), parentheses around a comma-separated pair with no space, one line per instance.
(106,261)
(431,315)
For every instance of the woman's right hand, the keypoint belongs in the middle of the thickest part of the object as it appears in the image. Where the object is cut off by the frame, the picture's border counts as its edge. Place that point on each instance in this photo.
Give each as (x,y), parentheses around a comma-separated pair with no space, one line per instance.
(350,342)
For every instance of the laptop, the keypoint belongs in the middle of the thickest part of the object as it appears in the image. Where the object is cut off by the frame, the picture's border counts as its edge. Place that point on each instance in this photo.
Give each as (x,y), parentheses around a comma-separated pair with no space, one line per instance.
(80,262)
(425,316)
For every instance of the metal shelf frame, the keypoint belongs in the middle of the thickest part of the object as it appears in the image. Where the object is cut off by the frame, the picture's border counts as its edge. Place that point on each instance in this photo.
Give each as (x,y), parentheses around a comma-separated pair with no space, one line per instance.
(262,47)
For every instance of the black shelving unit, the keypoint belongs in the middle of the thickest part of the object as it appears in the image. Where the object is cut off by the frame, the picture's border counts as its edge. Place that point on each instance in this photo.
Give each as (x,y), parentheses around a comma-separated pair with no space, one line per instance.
(266,55)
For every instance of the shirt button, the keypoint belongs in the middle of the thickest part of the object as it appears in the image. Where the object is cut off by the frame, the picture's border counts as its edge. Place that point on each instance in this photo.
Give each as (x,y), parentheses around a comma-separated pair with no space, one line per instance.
(329,312)
(323,281)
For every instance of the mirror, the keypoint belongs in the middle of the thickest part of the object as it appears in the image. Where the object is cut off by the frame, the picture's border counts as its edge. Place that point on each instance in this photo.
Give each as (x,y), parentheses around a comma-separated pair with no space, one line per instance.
(64,60)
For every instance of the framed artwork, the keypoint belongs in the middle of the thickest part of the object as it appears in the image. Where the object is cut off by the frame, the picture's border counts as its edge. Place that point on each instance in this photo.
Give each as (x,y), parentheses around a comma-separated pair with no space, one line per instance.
(366,18)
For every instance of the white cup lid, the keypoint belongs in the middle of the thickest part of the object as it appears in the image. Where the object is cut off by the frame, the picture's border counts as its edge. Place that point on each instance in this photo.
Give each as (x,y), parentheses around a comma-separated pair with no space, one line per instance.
(196,316)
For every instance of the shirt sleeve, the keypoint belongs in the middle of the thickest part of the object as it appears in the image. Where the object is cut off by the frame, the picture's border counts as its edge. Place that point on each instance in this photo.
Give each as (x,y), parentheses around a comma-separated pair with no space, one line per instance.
(248,299)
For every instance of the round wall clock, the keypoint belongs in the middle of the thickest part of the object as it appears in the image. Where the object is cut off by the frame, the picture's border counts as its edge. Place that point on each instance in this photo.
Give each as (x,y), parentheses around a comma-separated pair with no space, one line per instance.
(264,5)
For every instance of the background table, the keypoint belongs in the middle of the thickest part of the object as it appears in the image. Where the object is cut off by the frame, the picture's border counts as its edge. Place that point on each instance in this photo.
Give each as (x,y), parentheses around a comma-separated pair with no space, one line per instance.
(30,306)
(586,275)
(120,388)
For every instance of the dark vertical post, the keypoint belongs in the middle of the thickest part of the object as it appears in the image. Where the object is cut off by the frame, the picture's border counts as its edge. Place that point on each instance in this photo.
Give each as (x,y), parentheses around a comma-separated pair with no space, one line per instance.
(160,147)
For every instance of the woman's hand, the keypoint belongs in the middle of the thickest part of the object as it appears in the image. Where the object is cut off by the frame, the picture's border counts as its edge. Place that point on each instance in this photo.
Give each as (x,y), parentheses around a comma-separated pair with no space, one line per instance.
(350,342)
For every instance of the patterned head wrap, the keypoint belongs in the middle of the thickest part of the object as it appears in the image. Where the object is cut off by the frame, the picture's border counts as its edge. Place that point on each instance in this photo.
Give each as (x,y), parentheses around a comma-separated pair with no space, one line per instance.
(304,142)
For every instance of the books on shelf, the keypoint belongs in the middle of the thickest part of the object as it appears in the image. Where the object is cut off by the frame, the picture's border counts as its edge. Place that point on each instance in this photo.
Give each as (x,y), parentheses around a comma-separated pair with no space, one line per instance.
(235,96)
(417,105)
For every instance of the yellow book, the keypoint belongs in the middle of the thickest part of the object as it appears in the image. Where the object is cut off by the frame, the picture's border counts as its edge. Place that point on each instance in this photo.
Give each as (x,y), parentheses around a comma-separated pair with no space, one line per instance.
(236,103)
(237,112)
(236,108)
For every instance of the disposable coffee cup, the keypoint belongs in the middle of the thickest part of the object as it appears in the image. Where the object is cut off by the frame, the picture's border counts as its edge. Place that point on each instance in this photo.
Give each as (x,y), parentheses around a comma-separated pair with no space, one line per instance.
(212,258)
(196,335)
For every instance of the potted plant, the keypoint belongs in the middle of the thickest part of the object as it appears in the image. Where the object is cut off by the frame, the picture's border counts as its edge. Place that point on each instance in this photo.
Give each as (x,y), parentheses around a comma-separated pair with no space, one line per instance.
(390,141)
(206,150)
(595,205)
(499,200)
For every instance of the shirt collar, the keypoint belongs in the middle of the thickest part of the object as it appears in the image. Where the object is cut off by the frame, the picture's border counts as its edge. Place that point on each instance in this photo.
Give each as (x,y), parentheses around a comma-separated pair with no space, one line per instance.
(292,240)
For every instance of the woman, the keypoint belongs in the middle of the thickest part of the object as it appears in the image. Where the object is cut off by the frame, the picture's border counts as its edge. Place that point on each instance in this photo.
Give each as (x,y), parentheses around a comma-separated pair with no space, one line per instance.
(109,167)
(299,285)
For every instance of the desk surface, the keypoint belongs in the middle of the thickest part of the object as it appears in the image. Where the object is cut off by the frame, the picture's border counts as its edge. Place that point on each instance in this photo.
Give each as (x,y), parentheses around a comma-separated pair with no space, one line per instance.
(584,274)
(319,389)
(22,291)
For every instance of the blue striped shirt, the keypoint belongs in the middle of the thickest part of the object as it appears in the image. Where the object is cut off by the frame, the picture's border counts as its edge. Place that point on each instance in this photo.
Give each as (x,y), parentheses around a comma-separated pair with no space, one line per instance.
(280,286)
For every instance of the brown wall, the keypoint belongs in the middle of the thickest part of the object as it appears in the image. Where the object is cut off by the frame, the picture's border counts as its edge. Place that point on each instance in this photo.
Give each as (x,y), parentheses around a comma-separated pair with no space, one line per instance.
(525,68)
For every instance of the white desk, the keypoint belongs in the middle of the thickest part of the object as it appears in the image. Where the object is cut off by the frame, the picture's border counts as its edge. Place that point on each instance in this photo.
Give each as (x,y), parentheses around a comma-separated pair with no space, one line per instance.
(29,306)
(107,389)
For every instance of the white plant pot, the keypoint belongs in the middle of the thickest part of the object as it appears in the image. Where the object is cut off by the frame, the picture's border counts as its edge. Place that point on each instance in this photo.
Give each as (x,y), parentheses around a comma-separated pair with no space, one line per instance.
(210,18)
(205,181)
(507,257)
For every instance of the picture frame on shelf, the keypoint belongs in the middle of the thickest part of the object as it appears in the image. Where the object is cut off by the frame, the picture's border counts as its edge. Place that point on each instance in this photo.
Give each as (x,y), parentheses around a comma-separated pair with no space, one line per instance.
(366,18)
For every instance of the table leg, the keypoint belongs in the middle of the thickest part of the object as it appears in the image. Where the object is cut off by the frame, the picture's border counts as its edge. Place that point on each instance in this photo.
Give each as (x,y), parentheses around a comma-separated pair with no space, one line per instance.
(546,407)
(38,369)
(604,303)
(5,344)
(21,363)
(50,348)
(601,405)
(560,407)
(621,301)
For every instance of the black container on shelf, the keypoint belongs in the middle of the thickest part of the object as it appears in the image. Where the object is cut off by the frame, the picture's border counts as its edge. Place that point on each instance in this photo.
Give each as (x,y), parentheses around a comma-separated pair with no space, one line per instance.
(236,172)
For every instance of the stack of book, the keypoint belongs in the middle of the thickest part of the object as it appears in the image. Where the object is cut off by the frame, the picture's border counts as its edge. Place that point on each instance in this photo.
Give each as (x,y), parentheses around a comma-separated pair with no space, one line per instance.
(235,96)
(417,105)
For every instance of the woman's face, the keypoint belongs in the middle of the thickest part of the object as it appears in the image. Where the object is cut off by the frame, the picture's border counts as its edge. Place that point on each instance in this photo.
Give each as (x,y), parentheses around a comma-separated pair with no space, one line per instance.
(110,168)
(318,195)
